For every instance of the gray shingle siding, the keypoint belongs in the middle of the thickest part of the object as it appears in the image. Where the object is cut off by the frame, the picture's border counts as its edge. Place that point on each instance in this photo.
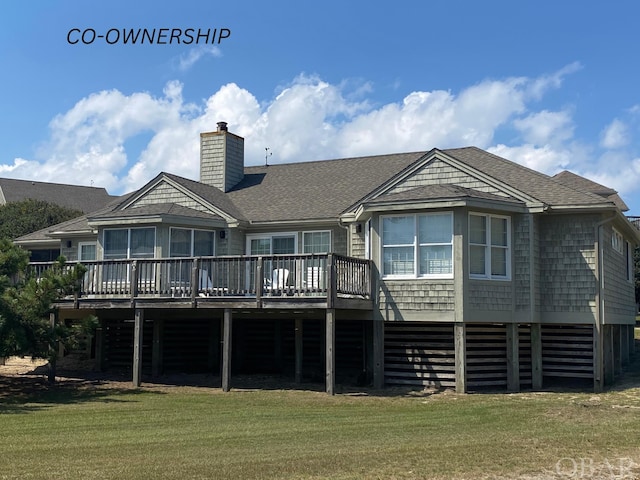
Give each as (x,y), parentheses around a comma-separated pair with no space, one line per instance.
(416,295)
(568,260)
(522,262)
(166,193)
(618,292)
(439,172)
(357,242)
(221,160)
(489,296)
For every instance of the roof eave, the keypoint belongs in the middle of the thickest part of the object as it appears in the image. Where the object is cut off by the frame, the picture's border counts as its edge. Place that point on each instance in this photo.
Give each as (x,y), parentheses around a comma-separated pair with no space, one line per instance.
(366,209)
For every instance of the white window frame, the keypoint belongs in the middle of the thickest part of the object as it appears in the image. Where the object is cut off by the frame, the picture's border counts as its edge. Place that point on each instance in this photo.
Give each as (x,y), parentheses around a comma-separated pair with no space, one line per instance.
(304,244)
(416,248)
(270,236)
(617,241)
(193,239)
(128,230)
(630,262)
(488,248)
(86,244)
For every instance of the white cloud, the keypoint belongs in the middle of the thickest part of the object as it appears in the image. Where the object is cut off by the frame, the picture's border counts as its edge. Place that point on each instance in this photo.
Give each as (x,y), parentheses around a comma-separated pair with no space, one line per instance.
(312,119)
(189,59)
(546,127)
(615,135)
(544,159)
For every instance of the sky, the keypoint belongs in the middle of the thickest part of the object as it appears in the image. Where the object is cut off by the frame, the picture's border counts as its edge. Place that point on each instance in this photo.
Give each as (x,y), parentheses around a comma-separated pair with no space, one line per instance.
(551,85)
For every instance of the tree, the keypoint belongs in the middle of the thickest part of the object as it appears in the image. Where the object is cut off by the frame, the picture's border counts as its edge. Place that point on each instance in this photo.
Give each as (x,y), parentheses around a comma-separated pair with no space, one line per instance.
(26,216)
(26,303)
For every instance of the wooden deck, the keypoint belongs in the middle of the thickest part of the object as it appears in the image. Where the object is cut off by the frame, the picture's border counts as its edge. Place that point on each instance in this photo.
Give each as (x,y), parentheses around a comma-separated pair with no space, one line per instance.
(316,281)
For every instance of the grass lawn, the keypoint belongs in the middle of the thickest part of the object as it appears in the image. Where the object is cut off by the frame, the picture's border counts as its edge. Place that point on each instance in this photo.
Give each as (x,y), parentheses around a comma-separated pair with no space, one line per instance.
(84,431)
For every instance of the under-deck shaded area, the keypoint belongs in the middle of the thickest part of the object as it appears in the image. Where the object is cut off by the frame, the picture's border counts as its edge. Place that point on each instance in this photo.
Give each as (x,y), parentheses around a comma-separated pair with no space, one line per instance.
(289,345)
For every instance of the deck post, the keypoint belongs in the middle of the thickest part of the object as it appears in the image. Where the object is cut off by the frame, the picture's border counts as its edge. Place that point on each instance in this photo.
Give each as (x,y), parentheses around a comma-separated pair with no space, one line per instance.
(624,344)
(134,280)
(100,334)
(513,358)
(332,284)
(227,325)
(617,350)
(598,357)
(157,349)
(53,320)
(460,347)
(330,347)
(536,356)
(632,341)
(299,348)
(259,280)
(378,353)
(137,346)
(277,344)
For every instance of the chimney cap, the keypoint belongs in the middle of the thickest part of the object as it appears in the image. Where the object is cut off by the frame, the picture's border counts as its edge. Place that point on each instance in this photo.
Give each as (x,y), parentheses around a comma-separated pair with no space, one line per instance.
(222,127)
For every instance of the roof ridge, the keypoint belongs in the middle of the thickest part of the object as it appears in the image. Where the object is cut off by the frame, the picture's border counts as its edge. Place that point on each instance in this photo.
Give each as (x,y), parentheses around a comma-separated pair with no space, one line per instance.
(506,161)
(344,159)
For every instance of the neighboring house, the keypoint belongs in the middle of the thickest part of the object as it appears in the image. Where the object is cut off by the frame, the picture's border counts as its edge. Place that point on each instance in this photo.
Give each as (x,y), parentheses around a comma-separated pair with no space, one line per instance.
(76,197)
(452,268)
(83,199)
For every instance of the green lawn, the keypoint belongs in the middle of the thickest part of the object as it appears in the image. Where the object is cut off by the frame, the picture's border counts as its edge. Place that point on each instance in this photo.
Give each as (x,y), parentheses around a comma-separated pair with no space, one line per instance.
(87,432)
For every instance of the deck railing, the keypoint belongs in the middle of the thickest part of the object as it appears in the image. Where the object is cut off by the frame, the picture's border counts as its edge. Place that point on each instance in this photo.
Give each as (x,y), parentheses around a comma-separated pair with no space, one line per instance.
(308,275)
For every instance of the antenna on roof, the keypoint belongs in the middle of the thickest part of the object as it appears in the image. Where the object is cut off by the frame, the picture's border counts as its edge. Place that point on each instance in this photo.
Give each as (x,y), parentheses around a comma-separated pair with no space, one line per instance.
(267,154)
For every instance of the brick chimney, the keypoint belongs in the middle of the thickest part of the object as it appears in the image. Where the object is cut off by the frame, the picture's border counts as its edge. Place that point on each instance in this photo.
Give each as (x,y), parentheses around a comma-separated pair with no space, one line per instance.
(221,158)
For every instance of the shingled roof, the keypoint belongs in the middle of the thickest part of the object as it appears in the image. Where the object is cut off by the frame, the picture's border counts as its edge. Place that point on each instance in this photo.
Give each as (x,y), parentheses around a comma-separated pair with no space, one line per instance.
(323,190)
(535,184)
(85,199)
(313,190)
(581,183)
(440,192)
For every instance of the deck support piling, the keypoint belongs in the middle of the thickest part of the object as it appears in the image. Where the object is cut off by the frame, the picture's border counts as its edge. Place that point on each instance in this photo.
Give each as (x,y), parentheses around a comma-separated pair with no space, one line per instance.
(100,344)
(624,344)
(378,353)
(536,356)
(53,319)
(137,346)
(156,354)
(513,358)
(460,347)
(227,325)
(330,347)
(299,349)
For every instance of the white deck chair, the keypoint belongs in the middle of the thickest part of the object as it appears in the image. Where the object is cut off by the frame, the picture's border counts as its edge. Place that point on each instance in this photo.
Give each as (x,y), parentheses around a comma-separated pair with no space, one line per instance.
(279,278)
(204,283)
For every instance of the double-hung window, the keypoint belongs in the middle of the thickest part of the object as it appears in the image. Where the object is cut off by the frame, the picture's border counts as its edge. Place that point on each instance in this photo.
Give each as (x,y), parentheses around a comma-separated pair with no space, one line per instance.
(489,246)
(125,243)
(316,242)
(186,242)
(418,246)
(129,243)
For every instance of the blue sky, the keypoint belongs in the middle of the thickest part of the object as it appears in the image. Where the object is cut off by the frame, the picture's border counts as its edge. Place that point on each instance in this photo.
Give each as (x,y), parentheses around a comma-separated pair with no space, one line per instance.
(551,85)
